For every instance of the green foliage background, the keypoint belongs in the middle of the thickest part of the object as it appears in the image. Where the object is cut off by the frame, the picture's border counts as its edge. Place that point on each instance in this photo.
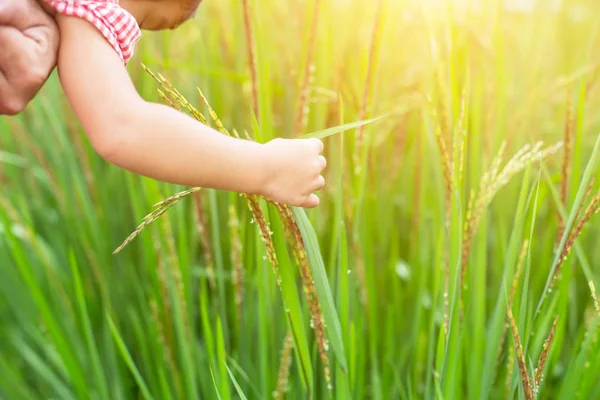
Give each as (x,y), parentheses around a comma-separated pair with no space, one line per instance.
(153,322)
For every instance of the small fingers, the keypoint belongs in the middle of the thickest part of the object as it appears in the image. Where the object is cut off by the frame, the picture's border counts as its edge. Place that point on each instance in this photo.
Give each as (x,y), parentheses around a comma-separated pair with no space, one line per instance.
(319,183)
(311,201)
(322,162)
(318,145)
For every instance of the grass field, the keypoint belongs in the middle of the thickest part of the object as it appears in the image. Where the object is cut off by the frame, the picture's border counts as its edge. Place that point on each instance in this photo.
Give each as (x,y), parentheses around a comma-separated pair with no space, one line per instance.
(452,256)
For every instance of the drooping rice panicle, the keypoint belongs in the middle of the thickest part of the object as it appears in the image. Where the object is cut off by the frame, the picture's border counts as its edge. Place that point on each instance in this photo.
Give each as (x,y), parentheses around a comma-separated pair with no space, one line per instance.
(513,292)
(168,100)
(539,370)
(460,135)
(159,209)
(448,184)
(317,321)
(303,107)
(374,47)
(176,97)
(566,162)
(493,181)
(525,379)
(593,208)
(285,363)
(446,159)
(251,53)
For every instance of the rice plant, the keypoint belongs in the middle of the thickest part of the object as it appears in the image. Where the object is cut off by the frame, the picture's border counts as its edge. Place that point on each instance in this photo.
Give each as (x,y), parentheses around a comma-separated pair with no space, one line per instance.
(453,255)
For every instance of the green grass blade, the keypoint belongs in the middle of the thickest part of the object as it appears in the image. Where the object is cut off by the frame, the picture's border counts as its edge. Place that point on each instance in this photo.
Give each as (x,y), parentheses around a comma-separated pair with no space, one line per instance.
(235,383)
(322,284)
(294,312)
(87,326)
(128,360)
(321,134)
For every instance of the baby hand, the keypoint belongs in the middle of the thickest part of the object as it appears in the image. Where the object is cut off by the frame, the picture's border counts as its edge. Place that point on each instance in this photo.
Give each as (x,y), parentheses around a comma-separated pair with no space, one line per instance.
(293,171)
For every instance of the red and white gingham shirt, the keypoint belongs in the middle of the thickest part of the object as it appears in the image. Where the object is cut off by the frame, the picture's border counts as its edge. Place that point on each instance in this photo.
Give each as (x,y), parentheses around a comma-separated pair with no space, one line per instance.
(117,25)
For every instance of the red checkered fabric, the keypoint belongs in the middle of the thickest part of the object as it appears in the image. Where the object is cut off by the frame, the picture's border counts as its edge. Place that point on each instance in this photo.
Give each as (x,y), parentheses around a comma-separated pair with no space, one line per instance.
(117,25)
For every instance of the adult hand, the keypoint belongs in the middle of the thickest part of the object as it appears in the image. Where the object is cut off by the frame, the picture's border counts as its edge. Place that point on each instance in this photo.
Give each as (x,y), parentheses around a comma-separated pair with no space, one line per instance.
(29,40)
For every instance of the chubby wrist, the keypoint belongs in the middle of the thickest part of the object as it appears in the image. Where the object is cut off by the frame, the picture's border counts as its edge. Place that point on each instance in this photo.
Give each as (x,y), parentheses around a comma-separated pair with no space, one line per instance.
(256,167)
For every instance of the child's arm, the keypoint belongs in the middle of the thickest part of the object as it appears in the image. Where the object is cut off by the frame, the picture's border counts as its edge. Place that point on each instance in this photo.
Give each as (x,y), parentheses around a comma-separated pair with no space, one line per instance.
(162,143)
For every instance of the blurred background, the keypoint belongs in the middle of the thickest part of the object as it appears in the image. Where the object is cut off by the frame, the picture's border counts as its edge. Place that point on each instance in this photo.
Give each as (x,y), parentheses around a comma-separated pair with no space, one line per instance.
(455,273)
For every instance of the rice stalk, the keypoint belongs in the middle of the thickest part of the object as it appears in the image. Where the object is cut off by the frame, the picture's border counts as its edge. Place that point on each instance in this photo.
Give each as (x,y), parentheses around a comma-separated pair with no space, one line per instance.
(539,370)
(236,259)
(513,292)
(168,351)
(317,321)
(448,182)
(417,185)
(525,379)
(361,277)
(460,136)
(284,367)
(519,271)
(566,162)
(586,196)
(202,228)
(265,233)
(250,48)
(175,269)
(443,96)
(308,73)
(446,160)
(593,208)
(369,80)
(166,328)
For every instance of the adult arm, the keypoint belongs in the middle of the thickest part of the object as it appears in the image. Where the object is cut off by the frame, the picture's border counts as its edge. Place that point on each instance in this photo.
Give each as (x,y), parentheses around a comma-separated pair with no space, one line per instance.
(29,40)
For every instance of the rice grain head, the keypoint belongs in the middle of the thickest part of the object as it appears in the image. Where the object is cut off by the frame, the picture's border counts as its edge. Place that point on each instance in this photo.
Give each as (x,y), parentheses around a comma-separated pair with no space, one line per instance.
(525,379)
(539,371)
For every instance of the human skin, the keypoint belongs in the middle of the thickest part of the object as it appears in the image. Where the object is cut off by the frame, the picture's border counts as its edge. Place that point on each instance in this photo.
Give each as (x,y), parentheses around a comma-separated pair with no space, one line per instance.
(29,40)
(159,142)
